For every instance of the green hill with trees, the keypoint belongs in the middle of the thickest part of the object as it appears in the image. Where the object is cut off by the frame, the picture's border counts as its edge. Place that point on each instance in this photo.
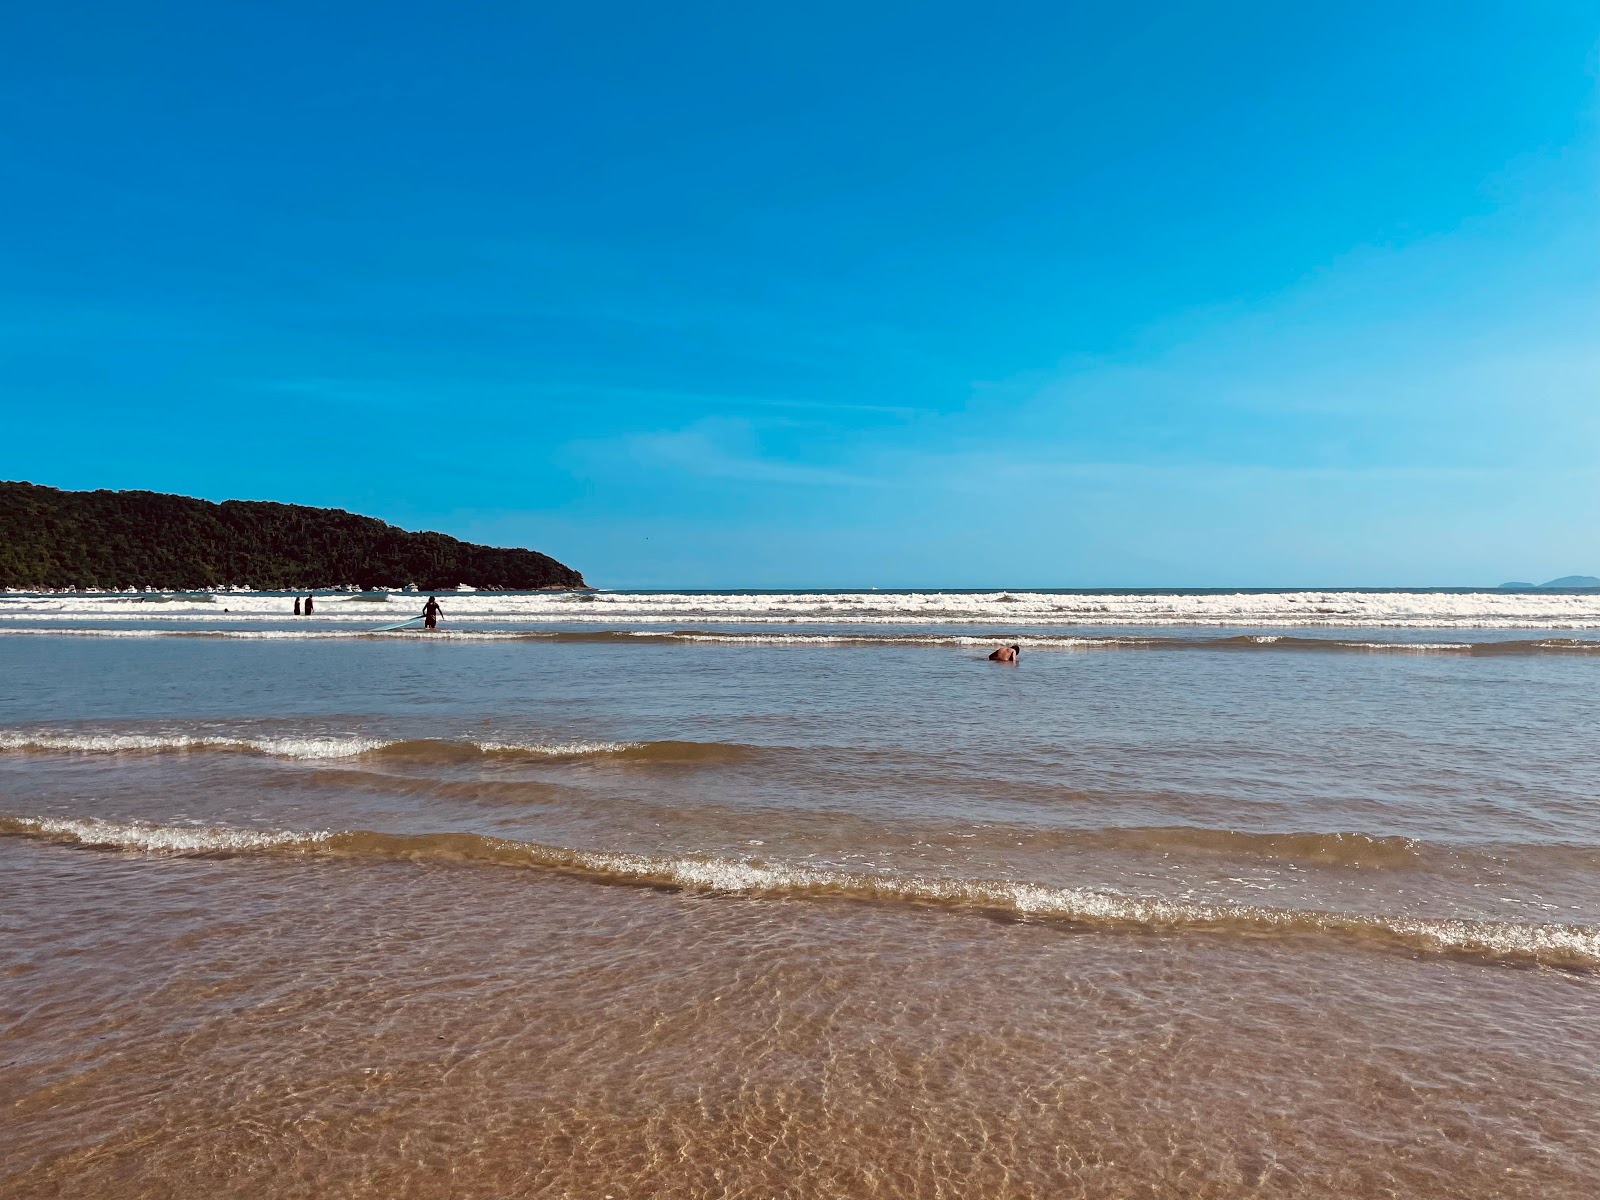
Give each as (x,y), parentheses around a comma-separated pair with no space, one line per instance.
(107,540)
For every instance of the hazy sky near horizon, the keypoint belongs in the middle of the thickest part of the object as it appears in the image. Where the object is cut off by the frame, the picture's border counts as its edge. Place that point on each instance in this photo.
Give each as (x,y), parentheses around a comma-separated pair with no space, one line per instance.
(834,294)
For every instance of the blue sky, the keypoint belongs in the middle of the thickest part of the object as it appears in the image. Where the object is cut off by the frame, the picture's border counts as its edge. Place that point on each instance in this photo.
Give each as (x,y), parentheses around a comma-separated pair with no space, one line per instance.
(837,294)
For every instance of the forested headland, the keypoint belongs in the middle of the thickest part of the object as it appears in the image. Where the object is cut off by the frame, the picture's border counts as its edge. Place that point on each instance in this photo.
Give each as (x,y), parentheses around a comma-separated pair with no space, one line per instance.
(105,541)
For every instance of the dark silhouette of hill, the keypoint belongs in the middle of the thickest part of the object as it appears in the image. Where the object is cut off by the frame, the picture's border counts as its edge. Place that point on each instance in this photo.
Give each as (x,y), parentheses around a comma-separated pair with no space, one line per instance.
(111,540)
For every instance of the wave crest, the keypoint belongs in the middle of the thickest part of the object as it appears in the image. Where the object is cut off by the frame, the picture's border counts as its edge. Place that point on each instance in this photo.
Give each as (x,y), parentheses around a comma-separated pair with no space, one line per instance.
(1358,850)
(1029,641)
(1573,947)
(332,747)
(305,747)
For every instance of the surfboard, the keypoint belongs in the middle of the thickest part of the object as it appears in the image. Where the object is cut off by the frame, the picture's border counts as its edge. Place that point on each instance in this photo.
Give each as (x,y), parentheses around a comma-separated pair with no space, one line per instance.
(392,628)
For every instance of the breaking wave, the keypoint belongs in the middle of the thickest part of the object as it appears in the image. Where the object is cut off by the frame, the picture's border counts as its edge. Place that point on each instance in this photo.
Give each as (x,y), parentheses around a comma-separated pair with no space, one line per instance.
(420,750)
(1415,608)
(1028,641)
(155,743)
(429,750)
(1574,947)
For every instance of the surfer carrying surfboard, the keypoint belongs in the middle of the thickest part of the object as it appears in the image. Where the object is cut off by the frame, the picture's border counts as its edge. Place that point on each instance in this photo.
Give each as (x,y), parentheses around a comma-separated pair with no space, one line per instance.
(431,613)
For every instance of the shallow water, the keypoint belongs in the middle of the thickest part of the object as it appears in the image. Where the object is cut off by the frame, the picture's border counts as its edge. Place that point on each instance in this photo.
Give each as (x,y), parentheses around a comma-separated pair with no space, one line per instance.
(842,910)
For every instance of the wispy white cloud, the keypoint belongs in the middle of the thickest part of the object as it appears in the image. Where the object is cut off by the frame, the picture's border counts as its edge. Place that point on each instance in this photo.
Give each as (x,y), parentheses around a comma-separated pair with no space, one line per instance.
(716,448)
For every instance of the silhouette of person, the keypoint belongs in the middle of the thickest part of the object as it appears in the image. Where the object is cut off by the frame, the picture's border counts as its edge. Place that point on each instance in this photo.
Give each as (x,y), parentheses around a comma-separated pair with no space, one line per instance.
(297,606)
(308,606)
(431,613)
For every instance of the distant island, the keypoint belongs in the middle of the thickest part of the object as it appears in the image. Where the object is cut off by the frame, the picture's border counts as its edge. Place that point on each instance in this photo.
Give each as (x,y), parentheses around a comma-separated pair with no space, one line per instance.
(1566,581)
(108,541)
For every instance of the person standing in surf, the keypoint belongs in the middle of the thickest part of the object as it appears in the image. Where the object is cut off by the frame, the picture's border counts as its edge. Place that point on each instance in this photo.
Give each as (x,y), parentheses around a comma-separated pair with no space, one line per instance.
(431,613)
(308,604)
(297,606)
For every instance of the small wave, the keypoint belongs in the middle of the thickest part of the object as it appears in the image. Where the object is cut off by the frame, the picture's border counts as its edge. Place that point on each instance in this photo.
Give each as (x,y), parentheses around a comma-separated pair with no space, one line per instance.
(416,750)
(142,835)
(1540,646)
(665,752)
(441,750)
(1037,641)
(157,743)
(1028,641)
(1359,850)
(690,753)
(555,749)
(1575,947)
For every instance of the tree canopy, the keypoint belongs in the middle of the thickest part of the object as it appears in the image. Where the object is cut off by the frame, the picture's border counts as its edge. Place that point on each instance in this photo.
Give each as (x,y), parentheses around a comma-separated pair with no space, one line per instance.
(105,540)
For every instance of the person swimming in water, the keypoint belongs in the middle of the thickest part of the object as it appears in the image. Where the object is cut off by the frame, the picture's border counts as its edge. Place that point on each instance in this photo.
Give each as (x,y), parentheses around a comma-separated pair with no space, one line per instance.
(1006,654)
(431,613)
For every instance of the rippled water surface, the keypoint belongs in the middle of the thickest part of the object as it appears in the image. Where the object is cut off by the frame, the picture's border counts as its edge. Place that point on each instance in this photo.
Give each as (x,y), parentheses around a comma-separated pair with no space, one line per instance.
(663,907)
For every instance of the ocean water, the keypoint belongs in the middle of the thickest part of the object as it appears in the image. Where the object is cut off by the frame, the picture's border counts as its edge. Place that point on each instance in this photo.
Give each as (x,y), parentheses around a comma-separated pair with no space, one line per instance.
(746,894)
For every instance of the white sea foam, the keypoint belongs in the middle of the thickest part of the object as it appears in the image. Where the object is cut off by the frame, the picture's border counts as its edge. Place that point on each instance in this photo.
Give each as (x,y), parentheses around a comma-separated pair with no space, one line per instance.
(1029,640)
(1505,610)
(142,835)
(306,747)
(1418,647)
(116,743)
(555,749)
(1561,945)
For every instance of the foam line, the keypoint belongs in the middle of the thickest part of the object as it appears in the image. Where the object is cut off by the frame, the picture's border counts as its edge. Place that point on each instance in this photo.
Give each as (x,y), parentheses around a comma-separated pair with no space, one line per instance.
(1574,947)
